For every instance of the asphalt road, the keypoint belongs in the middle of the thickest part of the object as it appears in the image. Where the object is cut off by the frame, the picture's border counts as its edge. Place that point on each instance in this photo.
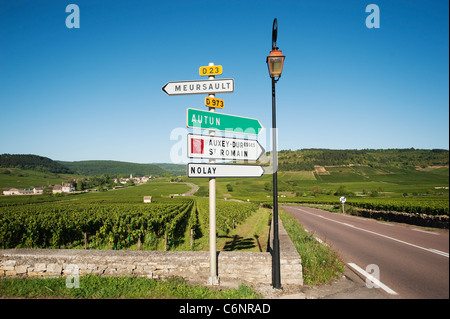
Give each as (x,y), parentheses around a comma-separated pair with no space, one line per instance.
(405,261)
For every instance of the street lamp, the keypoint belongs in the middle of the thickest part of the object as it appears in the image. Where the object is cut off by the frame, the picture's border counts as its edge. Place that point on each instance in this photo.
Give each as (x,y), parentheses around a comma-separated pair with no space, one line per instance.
(275,62)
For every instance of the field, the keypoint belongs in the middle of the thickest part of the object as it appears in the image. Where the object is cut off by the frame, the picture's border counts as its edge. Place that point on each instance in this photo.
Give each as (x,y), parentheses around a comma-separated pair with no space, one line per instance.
(118,219)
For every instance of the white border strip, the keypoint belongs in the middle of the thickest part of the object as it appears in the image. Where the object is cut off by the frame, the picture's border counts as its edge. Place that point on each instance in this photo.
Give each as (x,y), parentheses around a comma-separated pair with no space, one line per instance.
(372,279)
(442,253)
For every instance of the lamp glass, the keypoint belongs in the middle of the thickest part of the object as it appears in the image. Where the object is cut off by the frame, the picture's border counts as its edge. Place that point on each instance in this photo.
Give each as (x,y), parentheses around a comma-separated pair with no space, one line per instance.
(275,66)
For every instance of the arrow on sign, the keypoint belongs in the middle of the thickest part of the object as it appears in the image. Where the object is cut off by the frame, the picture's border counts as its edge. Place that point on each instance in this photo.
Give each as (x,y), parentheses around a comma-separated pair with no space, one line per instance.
(212,147)
(222,122)
(199,87)
(223,170)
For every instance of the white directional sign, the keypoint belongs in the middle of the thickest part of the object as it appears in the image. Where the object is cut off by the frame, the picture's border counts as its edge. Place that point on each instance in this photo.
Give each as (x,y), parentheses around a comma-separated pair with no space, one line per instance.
(199,87)
(214,147)
(223,170)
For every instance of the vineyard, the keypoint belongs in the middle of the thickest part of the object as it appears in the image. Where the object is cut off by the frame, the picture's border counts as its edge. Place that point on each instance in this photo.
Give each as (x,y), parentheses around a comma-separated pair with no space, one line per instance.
(163,225)
(229,214)
(429,206)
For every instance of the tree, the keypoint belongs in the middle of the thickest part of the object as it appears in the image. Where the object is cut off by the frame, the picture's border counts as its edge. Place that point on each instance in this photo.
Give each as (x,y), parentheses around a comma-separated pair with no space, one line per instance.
(80,185)
(316,190)
(341,191)
(47,191)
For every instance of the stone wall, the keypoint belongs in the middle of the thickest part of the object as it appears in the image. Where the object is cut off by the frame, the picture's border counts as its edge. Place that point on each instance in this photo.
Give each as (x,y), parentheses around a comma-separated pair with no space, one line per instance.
(234,267)
(193,266)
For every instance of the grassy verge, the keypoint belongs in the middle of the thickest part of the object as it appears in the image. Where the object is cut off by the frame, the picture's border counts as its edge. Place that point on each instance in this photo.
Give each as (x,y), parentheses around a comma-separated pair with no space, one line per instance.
(320,263)
(95,287)
(251,235)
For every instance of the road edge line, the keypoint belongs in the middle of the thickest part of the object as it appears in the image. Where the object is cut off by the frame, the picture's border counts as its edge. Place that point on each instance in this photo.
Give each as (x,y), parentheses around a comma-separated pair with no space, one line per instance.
(373,279)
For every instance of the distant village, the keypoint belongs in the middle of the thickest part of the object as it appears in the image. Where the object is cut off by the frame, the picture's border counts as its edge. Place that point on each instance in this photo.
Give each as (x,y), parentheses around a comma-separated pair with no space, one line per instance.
(135,180)
(70,188)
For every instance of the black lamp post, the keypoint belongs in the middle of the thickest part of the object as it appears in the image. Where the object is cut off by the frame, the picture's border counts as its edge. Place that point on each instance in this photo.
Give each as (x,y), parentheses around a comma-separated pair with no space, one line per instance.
(275,62)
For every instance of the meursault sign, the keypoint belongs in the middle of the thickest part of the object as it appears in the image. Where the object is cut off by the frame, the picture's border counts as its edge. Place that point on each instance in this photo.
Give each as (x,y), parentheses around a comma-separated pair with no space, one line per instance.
(199,87)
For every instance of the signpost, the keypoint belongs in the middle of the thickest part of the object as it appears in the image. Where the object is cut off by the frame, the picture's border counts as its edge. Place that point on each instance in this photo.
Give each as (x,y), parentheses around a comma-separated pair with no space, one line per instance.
(343,200)
(199,87)
(223,170)
(222,122)
(211,147)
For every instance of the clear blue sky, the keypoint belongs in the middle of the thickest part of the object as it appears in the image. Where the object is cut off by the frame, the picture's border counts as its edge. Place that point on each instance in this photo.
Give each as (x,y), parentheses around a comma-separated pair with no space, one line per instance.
(95,92)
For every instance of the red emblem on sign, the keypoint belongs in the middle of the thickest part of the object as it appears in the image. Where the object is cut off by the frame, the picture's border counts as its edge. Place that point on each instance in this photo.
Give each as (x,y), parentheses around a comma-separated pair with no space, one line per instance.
(197,145)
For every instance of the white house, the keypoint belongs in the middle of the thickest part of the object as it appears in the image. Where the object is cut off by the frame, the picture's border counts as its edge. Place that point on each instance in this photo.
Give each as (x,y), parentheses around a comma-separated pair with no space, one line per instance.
(57,189)
(67,188)
(11,191)
(38,190)
(147,199)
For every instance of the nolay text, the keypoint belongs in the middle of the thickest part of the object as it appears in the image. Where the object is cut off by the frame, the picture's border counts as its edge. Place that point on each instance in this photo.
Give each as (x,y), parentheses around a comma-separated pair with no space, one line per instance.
(199,170)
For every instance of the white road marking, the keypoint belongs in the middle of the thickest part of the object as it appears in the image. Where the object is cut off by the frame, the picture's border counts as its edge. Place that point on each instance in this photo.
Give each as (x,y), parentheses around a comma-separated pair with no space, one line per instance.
(320,241)
(439,252)
(425,231)
(317,238)
(372,279)
(378,234)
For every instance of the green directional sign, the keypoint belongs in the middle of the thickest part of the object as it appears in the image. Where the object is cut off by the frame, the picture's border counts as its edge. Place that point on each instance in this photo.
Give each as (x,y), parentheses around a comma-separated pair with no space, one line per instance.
(222,122)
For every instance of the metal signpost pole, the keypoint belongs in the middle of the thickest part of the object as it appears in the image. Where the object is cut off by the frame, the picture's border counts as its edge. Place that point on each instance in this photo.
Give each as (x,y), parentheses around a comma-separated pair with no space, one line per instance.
(275,62)
(213,278)
(276,277)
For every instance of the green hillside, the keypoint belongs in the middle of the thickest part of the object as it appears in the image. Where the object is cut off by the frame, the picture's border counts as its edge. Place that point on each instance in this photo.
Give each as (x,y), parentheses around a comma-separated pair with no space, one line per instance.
(307,159)
(114,168)
(32,162)
(308,172)
(173,169)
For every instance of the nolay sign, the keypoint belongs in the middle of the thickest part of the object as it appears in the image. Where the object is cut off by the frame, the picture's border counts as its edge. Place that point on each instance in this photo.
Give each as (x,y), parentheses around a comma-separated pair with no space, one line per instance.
(212,147)
(199,87)
(222,122)
(223,170)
